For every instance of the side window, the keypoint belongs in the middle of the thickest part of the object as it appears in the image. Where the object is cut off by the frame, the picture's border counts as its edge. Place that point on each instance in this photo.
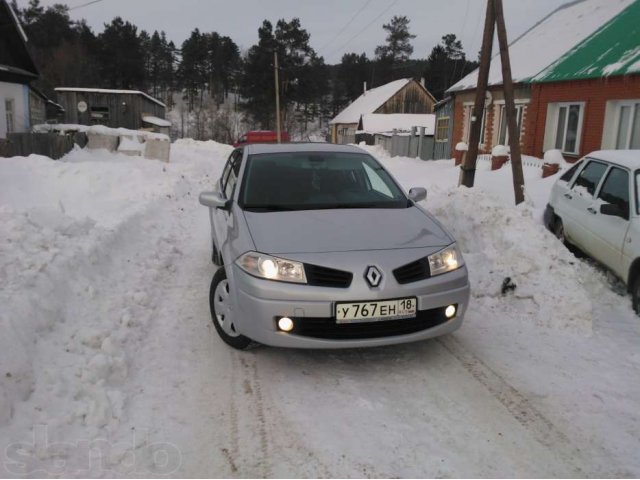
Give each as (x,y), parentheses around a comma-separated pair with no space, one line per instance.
(590,177)
(226,169)
(568,175)
(615,189)
(234,170)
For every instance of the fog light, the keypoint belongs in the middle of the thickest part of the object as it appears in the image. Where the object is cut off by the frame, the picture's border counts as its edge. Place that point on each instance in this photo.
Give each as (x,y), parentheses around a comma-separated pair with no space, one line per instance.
(285,324)
(450,311)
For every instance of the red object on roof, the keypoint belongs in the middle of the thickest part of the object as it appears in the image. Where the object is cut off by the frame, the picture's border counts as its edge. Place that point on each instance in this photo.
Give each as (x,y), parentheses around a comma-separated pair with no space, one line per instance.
(261,136)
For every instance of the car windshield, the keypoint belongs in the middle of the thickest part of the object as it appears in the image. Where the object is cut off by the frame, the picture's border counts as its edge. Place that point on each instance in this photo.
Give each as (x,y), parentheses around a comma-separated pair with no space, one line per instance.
(317,180)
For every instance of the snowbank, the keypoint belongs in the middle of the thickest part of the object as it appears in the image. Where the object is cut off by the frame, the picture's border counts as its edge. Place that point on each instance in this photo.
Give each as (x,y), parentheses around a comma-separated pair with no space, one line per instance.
(554,289)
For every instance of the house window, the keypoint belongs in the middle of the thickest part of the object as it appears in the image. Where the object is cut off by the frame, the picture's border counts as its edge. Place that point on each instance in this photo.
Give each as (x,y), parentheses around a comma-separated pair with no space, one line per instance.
(9,109)
(442,129)
(628,126)
(503,130)
(468,129)
(568,127)
(100,115)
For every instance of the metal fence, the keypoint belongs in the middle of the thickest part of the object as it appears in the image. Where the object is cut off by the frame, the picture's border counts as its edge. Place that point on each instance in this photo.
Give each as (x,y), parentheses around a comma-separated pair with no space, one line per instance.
(414,144)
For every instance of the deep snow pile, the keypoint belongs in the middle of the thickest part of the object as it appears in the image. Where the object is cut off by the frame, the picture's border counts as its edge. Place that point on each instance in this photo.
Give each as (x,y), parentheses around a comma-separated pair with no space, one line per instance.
(85,246)
(498,240)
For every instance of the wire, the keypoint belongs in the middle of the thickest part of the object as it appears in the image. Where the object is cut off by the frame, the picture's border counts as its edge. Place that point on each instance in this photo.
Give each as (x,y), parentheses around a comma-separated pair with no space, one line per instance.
(365,27)
(85,4)
(364,5)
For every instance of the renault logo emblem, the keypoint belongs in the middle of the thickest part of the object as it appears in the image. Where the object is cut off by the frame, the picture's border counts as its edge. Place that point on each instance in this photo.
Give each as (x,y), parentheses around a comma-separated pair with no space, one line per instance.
(373,276)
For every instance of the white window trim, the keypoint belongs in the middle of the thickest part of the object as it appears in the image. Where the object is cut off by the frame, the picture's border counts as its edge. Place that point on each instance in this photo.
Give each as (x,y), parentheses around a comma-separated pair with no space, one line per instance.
(468,107)
(558,106)
(502,112)
(616,128)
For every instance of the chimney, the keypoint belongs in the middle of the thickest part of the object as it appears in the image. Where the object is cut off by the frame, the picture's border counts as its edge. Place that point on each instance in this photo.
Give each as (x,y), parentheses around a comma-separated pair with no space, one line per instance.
(364,92)
(422,82)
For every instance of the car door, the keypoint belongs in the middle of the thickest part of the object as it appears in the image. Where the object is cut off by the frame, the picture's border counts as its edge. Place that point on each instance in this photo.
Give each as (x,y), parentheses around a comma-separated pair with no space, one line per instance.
(608,232)
(222,219)
(578,200)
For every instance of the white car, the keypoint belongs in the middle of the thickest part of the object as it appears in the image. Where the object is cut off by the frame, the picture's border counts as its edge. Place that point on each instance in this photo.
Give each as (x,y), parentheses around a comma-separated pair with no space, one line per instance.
(595,207)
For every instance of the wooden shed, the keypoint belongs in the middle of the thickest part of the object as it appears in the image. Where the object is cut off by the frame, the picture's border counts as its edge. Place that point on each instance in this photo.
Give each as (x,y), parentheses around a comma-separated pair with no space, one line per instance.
(400,96)
(130,109)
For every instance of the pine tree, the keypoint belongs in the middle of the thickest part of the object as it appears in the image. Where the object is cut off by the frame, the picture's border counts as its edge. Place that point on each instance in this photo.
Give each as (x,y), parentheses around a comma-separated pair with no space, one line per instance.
(398,47)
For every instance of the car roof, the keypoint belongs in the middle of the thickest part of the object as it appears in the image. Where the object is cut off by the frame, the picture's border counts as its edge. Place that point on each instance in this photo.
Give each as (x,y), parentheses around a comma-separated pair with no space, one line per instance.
(625,158)
(255,148)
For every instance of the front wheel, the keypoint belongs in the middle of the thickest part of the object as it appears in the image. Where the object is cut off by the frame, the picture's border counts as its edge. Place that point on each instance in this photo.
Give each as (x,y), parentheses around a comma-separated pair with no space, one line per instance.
(635,294)
(222,312)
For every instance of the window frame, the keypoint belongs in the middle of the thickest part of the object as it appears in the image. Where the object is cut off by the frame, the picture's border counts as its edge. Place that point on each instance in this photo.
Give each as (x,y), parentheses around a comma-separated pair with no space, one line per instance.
(634,104)
(503,119)
(10,114)
(467,133)
(603,180)
(567,105)
(234,163)
(596,187)
(439,129)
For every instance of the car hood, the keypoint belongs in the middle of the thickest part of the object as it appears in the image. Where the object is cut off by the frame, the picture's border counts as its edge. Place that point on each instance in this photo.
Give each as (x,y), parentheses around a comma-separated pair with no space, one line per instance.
(312,231)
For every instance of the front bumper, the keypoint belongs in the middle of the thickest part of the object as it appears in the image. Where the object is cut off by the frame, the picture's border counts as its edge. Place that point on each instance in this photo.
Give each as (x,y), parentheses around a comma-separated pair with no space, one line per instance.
(258,303)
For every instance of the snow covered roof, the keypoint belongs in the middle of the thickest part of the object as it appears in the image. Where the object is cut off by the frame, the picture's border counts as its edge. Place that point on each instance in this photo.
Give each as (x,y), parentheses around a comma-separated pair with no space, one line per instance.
(613,49)
(548,40)
(383,122)
(107,90)
(369,101)
(159,122)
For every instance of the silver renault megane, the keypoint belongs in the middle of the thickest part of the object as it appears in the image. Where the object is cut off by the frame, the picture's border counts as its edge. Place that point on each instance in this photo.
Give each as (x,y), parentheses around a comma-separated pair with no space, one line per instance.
(319,247)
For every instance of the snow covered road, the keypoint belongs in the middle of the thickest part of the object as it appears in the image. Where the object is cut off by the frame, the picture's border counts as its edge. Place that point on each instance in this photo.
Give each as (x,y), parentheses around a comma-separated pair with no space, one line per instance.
(110,365)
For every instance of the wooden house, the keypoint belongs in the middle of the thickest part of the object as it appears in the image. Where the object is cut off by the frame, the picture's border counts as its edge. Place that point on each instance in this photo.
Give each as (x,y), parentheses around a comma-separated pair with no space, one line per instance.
(17,69)
(130,109)
(444,128)
(400,96)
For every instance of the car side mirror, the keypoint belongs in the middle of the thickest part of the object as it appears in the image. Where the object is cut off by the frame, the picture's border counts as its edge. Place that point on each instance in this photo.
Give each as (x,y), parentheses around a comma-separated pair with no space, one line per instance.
(613,210)
(418,194)
(214,200)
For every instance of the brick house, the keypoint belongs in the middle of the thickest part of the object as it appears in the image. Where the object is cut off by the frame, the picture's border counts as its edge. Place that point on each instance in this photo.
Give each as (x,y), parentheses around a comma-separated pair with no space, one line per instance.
(574,72)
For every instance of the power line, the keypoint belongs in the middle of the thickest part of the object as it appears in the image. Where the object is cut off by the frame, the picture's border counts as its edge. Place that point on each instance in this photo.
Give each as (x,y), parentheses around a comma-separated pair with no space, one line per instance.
(364,5)
(85,4)
(365,28)
(464,24)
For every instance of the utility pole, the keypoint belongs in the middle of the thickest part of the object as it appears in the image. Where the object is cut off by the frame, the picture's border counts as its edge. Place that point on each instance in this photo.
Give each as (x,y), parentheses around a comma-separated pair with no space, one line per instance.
(494,21)
(468,168)
(509,105)
(275,63)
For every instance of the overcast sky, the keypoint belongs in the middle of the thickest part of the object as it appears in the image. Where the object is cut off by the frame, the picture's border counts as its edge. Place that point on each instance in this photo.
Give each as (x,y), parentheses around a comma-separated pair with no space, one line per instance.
(336,26)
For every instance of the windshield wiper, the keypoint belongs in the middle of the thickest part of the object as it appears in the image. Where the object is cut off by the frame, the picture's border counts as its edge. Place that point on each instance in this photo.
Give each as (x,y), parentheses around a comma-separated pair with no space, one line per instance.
(268,208)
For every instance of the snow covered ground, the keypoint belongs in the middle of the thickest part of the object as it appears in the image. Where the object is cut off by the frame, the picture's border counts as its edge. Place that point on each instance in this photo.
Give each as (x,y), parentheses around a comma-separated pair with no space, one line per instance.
(110,365)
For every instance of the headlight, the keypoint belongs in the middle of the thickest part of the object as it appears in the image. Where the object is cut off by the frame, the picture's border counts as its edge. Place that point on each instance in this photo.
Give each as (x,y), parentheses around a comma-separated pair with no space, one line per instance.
(272,268)
(445,260)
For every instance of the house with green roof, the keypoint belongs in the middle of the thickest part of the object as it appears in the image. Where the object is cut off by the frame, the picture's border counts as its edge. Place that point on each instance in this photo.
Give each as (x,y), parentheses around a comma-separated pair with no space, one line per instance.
(577,83)
(589,98)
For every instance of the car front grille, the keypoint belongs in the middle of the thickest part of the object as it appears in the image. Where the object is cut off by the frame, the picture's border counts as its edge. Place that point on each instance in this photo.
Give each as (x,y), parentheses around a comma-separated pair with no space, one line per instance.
(327,328)
(327,277)
(413,272)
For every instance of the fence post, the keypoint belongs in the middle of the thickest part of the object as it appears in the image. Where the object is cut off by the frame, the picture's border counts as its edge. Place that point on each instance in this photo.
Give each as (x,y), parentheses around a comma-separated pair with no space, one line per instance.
(421,139)
(394,143)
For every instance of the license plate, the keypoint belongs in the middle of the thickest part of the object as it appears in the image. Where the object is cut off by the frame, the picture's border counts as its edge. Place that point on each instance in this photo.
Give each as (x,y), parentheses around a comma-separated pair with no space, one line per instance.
(376,311)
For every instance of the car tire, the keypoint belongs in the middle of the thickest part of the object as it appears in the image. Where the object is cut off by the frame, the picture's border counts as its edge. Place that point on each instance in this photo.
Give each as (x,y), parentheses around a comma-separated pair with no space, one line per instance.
(222,312)
(635,295)
(558,230)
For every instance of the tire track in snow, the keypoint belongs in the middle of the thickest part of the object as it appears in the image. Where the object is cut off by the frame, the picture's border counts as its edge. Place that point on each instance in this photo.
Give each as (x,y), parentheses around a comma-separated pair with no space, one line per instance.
(541,428)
